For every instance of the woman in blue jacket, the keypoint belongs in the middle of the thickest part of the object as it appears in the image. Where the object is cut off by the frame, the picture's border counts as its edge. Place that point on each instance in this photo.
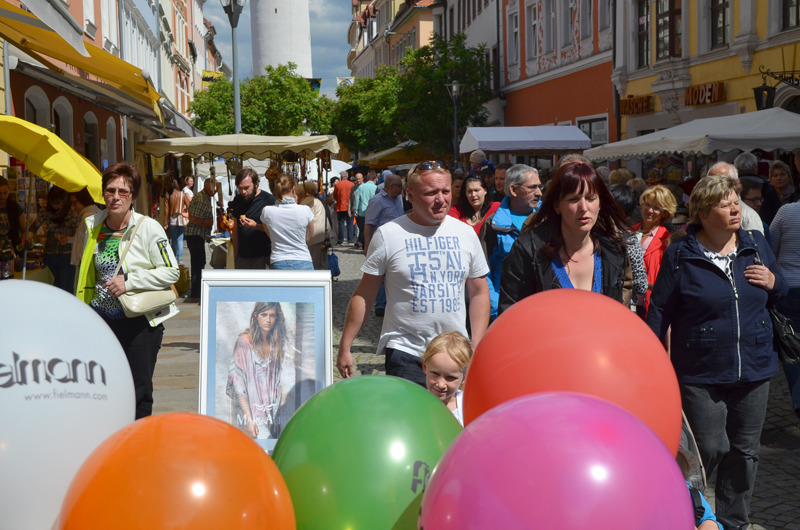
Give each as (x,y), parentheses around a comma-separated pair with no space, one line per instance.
(713,289)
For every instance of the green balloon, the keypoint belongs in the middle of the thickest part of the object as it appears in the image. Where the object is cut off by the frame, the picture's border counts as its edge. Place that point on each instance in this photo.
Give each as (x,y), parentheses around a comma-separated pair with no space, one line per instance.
(359,454)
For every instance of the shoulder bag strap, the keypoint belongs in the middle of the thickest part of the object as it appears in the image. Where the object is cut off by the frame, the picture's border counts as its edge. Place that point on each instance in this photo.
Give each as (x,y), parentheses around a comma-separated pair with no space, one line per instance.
(125,252)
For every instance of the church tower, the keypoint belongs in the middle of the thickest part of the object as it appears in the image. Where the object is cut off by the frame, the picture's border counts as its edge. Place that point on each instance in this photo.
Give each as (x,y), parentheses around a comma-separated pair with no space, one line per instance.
(281,33)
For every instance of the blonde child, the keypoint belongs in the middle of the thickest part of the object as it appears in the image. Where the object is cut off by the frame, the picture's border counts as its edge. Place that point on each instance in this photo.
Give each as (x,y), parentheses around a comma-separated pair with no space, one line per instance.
(445,364)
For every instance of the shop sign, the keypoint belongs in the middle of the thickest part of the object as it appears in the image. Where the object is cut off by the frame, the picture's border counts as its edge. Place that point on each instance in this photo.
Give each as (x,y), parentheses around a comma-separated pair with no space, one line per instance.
(704,94)
(636,105)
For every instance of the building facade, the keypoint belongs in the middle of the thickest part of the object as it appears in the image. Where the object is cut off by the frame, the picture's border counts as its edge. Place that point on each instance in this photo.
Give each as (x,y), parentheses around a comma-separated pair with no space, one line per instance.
(556,58)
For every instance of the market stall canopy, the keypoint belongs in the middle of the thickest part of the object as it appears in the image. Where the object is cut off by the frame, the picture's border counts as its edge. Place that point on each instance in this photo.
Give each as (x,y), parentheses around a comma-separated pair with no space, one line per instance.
(241,145)
(408,152)
(525,140)
(27,33)
(768,129)
(49,157)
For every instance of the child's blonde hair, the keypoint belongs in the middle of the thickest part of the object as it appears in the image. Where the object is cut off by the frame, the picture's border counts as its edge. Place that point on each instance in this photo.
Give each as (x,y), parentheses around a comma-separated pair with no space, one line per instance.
(452,343)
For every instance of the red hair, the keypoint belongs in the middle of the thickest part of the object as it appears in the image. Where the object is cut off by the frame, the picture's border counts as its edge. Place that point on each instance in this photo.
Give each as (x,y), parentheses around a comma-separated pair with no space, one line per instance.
(578,177)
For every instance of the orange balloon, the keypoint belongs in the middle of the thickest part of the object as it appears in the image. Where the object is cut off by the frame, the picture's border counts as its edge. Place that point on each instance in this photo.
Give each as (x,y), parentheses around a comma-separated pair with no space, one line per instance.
(579,341)
(178,470)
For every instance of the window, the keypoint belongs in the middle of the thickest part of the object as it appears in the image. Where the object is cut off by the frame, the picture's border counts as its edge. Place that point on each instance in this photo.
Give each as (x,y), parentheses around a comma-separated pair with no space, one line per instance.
(643,34)
(668,28)
(549,28)
(451,22)
(595,128)
(586,18)
(567,21)
(603,14)
(719,23)
(791,14)
(532,34)
(513,29)
(91,145)
(480,6)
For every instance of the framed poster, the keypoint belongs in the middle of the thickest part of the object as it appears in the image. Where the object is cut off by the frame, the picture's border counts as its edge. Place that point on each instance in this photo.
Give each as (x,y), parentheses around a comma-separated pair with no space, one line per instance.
(265,346)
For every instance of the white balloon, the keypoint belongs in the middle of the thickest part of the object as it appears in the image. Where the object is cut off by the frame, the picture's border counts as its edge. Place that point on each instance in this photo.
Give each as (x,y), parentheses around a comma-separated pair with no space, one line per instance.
(65,386)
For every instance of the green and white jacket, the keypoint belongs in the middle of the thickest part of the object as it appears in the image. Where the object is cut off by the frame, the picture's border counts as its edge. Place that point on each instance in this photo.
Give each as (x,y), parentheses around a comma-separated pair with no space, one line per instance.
(150,263)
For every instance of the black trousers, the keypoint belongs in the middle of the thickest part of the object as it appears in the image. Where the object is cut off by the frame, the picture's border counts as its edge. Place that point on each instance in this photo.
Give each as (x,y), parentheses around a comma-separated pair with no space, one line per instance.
(141,343)
(197,254)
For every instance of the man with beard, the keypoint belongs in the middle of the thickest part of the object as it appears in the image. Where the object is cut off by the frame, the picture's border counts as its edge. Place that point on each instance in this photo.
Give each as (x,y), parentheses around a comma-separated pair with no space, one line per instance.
(251,245)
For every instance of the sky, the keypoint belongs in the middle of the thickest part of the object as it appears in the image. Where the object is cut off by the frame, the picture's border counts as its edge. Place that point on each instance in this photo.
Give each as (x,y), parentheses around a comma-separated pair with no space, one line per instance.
(329,22)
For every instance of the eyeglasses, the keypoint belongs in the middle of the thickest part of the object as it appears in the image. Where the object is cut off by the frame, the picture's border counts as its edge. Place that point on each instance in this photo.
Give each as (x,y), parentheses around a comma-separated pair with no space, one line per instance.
(656,209)
(754,199)
(531,187)
(123,193)
(427,166)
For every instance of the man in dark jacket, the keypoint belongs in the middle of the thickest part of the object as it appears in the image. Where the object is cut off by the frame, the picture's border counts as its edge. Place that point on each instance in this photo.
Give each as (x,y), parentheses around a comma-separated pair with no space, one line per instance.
(251,245)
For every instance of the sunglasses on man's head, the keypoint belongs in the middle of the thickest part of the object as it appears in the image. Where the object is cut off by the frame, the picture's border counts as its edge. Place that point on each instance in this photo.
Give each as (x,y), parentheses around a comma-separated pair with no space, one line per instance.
(427,166)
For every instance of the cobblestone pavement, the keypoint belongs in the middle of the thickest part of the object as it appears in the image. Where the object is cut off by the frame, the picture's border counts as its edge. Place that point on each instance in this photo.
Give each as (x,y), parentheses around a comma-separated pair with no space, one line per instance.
(776,501)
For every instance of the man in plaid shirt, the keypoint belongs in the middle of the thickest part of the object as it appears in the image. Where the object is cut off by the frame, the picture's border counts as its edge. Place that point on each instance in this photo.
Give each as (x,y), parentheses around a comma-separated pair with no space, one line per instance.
(201,219)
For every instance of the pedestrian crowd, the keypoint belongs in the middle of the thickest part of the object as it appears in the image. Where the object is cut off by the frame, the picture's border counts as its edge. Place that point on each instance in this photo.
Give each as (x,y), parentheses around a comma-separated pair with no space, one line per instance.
(702,262)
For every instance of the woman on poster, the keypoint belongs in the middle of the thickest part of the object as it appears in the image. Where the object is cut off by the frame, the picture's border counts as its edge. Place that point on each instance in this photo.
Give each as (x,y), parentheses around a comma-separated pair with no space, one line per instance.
(262,372)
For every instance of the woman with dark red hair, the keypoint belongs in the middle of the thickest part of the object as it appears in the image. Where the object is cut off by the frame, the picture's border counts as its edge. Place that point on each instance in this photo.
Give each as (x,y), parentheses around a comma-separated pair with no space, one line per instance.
(574,240)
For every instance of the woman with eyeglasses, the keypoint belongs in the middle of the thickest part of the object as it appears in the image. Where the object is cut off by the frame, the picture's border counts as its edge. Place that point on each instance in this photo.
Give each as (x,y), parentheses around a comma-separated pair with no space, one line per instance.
(658,206)
(712,290)
(474,206)
(574,240)
(149,264)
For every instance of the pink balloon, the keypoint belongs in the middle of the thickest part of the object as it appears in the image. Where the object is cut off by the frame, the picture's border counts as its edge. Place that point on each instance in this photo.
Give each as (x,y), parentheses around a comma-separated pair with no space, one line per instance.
(557,460)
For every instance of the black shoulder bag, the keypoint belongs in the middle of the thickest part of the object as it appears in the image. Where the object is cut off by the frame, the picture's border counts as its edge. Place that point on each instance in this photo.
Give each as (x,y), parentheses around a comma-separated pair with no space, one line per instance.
(787,341)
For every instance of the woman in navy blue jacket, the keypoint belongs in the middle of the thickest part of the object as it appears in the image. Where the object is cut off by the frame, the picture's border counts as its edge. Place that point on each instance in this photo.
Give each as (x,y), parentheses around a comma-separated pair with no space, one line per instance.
(713,289)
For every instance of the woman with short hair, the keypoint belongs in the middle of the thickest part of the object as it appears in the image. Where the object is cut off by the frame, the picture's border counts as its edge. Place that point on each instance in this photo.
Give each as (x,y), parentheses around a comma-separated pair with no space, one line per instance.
(713,289)
(658,207)
(149,264)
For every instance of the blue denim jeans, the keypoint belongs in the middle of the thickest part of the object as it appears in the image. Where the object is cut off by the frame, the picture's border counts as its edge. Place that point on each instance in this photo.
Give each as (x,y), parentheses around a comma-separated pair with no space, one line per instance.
(345,226)
(176,238)
(292,264)
(727,422)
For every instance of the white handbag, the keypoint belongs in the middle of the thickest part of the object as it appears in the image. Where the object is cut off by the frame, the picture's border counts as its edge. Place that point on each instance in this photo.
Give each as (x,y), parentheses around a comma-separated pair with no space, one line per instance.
(138,302)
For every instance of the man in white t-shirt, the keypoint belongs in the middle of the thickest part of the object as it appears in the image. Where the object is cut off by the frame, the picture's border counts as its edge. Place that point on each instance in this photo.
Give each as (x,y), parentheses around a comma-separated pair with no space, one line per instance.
(426,259)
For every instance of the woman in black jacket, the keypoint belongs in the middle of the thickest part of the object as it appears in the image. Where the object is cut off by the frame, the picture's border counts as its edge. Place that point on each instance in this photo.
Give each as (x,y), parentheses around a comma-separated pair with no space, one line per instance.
(713,288)
(573,240)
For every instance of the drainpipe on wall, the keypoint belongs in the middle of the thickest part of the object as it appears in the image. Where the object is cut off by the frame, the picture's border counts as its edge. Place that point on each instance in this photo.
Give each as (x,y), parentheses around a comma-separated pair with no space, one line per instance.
(496,73)
(120,39)
(617,118)
(6,78)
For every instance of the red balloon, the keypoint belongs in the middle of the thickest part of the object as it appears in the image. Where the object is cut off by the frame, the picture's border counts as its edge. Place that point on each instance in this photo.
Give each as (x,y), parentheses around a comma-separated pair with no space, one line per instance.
(178,470)
(578,341)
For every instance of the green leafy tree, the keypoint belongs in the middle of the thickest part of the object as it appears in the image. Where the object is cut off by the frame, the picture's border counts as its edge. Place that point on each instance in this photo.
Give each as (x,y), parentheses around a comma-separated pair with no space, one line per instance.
(278,103)
(425,109)
(213,108)
(321,120)
(365,118)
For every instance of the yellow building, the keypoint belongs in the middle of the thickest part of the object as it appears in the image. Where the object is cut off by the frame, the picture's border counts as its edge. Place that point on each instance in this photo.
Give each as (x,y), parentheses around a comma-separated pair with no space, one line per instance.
(679,60)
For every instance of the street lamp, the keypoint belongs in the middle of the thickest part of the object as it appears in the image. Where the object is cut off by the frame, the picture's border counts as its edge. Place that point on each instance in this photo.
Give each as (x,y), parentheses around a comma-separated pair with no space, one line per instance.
(233,8)
(455,92)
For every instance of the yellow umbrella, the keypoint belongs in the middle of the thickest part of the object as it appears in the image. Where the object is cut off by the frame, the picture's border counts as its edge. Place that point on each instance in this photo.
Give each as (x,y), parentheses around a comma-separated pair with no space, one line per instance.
(49,157)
